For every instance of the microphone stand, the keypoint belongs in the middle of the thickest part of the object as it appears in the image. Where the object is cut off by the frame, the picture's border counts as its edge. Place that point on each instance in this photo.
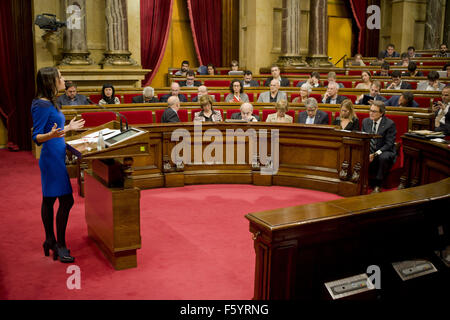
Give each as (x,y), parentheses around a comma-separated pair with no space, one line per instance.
(121,116)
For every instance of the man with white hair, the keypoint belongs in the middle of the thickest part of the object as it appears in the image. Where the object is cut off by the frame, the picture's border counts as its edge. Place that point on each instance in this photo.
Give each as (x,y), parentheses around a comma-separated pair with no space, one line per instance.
(274,95)
(174,92)
(246,113)
(171,113)
(202,91)
(146,97)
(331,95)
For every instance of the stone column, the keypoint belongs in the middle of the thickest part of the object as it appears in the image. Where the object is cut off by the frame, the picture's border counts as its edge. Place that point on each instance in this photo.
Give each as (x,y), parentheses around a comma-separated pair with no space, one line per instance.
(290,37)
(318,34)
(117,54)
(446,38)
(433,25)
(75,51)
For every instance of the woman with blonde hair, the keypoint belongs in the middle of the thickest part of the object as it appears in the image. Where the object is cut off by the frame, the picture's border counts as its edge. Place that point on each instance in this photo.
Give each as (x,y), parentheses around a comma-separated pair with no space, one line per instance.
(347,119)
(280,116)
(207,113)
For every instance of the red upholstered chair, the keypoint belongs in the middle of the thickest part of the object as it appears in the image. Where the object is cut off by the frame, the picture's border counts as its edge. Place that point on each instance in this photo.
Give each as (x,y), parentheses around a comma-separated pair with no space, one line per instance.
(316,96)
(425,72)
(424,102)
(138,117)
(413,84)
(158,115)
(294,95)
(354,72)
(217,83)
(266,112)
(160,95)
(128,97)
(295,82)
(251,96)
(94,119)
(402,124)
(352,97)
(330,116)
(95,97)
(182,114)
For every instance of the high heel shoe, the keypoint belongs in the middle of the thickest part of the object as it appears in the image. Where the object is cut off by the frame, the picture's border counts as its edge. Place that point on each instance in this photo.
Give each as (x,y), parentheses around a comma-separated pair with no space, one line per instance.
(48,245)
(63,254)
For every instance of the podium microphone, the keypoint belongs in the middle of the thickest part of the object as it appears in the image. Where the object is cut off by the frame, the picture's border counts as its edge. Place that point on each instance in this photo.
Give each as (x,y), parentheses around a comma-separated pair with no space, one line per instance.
(121,116)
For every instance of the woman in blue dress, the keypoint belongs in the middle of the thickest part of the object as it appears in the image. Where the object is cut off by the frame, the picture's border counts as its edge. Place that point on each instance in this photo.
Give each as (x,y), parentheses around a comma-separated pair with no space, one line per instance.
(49,130)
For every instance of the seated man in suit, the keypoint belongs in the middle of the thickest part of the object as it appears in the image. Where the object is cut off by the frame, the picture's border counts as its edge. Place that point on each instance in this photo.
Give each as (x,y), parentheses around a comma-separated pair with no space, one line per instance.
(248,81)
(274,94)
(246,113)
(275,70)
(405,60)
(397,83)
(390,51)
(331,95)
(202,91)
(374,94)
(412,70)
(146,97)
(171,113)
(71,97)
(312,115)
(190,80)
(313,80)
(432,84)
(441,108)
(406,99)
(174,92)
(382,150)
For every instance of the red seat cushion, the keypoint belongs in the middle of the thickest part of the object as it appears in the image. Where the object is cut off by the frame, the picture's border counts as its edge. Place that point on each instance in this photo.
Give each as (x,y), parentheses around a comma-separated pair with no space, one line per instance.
(94,119)
(424,102)
(316,96)
(217,83)
(402,126)
(251,96)
(158,115)
(128,97)
(266,112)
(95,97)
(138,117)
(351,97)
(354,72)
(413,84)
(330,115)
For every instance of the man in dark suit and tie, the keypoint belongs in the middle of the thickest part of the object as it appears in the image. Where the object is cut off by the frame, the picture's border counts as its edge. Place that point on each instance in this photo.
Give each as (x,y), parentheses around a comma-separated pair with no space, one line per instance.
(146,97)
(174,92)
(312,115)
(275,71)
(382,150)
(170,114)
(331,95)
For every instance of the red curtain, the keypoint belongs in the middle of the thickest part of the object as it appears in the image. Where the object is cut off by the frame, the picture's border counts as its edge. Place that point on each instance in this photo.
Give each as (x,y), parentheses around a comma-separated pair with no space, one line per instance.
(156,16)
(368,40)
(17,87)
(206,25)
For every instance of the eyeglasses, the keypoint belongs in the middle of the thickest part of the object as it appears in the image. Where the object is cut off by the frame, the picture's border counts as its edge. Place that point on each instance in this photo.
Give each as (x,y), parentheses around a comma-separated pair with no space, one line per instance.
(374,111)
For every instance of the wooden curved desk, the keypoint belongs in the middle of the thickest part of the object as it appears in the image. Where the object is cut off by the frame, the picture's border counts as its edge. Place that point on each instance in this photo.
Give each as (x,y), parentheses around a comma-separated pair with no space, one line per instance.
(310,156)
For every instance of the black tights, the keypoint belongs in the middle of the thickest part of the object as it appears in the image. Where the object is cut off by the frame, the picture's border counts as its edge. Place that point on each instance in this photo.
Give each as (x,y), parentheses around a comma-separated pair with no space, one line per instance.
(62,216)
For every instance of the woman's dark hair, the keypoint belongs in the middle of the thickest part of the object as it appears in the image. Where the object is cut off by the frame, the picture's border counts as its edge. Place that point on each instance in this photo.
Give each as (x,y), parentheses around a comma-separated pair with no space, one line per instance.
(211,65)
(240,83)
(108,100)
(46,84)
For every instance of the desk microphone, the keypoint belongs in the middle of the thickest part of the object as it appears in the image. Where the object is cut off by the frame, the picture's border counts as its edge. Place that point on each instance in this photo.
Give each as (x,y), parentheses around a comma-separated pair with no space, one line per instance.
(121,116)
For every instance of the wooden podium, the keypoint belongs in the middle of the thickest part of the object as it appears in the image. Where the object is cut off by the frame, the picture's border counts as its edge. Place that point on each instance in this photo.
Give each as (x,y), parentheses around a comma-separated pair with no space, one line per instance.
(112,206)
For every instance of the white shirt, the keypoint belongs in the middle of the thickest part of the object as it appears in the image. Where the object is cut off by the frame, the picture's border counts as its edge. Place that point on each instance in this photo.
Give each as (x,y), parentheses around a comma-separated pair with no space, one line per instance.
(309,120)
(443,112)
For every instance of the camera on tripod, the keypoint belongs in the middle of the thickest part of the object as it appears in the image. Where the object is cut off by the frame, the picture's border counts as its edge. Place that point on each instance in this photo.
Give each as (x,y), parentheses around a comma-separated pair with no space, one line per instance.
(48,22)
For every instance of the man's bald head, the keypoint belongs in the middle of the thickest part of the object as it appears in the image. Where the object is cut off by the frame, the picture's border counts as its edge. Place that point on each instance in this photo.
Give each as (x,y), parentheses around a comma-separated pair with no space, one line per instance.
(173,102)
(175,88)
(202,90)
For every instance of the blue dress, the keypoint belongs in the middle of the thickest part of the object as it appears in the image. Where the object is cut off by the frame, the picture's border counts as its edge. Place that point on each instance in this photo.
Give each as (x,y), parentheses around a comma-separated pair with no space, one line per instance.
(54,177)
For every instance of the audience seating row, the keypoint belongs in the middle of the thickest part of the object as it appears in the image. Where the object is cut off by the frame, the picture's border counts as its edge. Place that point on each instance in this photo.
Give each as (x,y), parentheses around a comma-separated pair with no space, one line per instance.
(424,102)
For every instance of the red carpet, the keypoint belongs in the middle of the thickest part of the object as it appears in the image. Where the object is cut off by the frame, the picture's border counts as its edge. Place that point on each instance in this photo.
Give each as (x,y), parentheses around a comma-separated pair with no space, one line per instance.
(195,241)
